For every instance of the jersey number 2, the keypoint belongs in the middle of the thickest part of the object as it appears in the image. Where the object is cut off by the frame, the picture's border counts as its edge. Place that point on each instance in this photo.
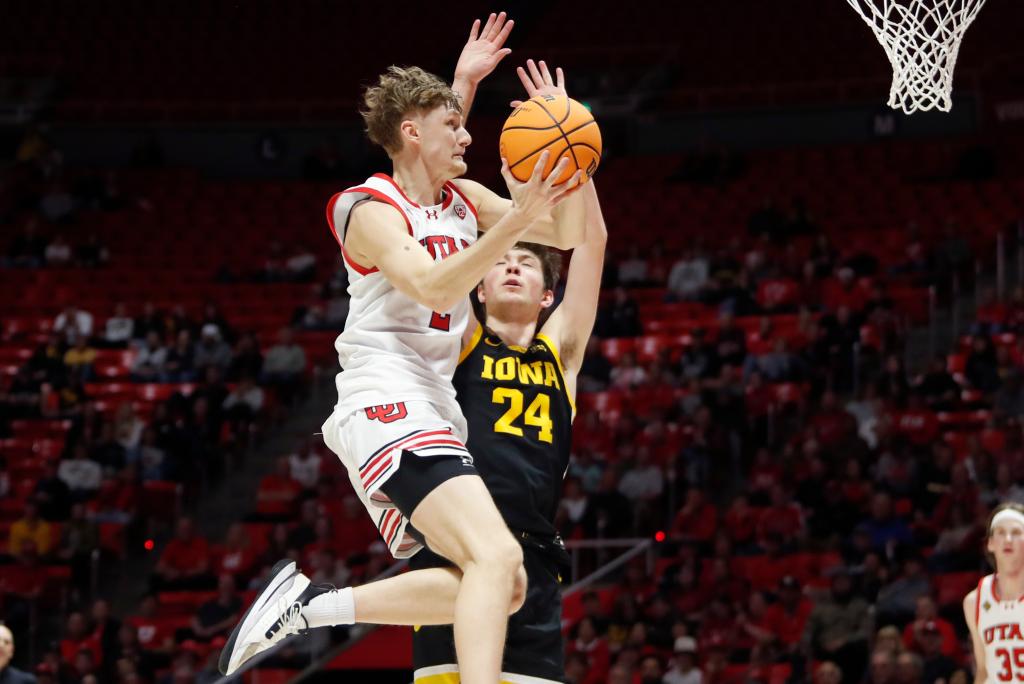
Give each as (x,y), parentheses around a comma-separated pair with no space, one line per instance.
(1008,667)
(440,321)
(538,413)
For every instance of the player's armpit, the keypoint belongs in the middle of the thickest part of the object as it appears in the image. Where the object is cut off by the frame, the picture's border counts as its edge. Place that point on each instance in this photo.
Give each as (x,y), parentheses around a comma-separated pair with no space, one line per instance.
(377,236)
(561,229)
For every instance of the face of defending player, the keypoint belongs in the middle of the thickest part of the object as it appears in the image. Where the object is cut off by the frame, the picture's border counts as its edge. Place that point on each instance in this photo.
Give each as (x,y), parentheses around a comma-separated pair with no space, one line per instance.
(514,287)
(1006,543)
(439,140)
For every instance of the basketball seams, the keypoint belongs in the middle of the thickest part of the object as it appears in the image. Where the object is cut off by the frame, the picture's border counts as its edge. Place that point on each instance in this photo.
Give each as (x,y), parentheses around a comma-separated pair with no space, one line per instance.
(568,143)
(568,110)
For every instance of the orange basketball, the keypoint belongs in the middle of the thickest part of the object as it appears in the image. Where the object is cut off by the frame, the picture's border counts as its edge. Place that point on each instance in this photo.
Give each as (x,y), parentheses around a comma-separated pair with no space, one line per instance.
(555,123)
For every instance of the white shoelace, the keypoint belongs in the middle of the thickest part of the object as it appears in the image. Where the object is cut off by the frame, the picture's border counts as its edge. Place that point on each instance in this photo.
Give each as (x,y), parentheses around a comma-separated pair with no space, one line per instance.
(290,616)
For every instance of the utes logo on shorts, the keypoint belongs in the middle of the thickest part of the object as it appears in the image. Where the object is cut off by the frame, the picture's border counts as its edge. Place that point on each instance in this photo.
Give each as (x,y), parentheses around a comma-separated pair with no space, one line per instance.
(387,413)
(460,211)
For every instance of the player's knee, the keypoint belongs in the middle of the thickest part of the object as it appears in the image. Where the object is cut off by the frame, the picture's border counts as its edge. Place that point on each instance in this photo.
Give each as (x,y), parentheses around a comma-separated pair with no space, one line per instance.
(518,591)
(502,556)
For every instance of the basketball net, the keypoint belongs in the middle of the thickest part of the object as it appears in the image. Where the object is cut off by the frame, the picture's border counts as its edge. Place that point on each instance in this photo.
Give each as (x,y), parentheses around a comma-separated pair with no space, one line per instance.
(922,39)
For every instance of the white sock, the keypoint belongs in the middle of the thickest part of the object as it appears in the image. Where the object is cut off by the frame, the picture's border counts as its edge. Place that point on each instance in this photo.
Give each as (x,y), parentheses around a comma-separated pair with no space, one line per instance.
(335,607)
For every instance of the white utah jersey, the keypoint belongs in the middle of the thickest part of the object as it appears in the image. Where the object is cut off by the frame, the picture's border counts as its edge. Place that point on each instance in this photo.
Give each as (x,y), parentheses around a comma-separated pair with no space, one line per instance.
(999,624)
(393,348)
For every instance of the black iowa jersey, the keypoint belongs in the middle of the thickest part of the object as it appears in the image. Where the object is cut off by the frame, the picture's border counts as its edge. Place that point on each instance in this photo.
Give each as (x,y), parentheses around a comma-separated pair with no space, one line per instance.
(519,416)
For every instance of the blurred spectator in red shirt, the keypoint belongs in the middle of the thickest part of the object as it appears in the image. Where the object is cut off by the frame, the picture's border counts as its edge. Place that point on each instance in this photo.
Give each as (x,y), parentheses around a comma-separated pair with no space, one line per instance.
(787,617)
(783,519)
(237,557)
(740,522)
(593,647)
(154,633)
(277,493)
(697,520)
(77,637)
(185,561)
(926,615)
(765,474)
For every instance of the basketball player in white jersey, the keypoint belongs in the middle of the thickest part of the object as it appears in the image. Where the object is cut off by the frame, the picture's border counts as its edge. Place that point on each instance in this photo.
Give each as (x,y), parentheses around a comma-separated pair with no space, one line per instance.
(410,246)
(995,610)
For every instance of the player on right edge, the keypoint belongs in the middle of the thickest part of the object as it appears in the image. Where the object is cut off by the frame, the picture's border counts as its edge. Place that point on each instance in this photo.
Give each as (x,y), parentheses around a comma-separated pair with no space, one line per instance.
(994,611)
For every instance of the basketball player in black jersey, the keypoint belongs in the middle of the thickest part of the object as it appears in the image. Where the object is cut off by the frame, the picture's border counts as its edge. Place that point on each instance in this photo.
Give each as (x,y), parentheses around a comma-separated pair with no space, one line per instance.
(515,381)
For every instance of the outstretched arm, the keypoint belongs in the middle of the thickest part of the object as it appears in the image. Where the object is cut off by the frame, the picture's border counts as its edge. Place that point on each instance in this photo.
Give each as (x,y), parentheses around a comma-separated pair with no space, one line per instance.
(481,54)
(572,322)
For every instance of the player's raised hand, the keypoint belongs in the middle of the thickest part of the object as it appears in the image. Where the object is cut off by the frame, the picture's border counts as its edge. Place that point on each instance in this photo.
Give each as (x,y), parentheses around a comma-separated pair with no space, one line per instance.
(484,49)
(536,79)
(538,195)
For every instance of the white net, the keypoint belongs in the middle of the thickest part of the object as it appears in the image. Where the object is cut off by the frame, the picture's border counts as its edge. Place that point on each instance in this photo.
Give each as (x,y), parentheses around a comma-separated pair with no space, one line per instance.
(922,39)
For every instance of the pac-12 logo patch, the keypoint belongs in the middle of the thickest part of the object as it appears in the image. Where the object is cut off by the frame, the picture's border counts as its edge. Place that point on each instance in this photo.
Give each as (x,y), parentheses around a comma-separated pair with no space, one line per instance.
(460,211)
(387,413)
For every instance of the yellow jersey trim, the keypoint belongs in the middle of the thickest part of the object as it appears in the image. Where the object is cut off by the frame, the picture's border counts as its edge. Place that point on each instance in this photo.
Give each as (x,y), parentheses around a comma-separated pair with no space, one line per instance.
(561,368)
(473,341)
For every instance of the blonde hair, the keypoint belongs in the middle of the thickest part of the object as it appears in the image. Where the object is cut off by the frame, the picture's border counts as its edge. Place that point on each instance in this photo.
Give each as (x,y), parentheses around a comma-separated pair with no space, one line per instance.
(399,92)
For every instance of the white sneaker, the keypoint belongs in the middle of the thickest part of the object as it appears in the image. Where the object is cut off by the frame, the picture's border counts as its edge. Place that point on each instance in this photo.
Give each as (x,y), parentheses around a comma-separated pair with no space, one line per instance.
(275,615)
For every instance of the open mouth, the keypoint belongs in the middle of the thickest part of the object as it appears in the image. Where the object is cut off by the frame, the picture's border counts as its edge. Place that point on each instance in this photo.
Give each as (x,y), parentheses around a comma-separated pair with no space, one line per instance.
(513,283)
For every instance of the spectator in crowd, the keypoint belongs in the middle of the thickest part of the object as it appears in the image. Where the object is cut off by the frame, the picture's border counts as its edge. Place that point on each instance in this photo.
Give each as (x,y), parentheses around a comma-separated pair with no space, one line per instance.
(786,619)
(92,253)
(304,465)
(58,252)
(81,474)
(217,616)
(697,520)
(118,331)
(936,665)
(628,374)
(80,358)
(185,561)
(897,601)
(52,495)
(150,320)
(148,458)
(684,663)
(237,557)
(211,350)
(72,323)
(246,361)
(927,620)
(838,629)
(909,668)
(150,360)
(277,493)
(28,249)
(643,484)
(688,276)
(633,269)
(79,537)
(620,317)
(300,266)
(243,404)
(939,389)
(180,362)
(284,366)
(828,673)
(31,530)
(78,639)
